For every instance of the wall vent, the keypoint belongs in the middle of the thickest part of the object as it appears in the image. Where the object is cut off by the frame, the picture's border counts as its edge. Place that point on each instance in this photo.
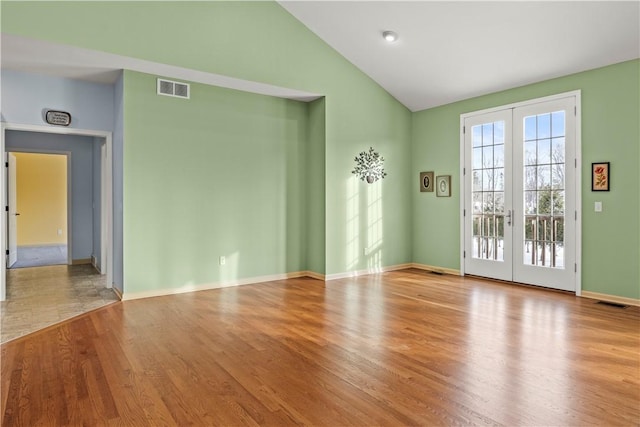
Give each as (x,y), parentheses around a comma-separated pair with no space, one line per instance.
(171,88)
(612,304)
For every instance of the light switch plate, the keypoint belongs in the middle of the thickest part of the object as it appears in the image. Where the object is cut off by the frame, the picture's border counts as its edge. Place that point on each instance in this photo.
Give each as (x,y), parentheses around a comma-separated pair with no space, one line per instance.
(598,207)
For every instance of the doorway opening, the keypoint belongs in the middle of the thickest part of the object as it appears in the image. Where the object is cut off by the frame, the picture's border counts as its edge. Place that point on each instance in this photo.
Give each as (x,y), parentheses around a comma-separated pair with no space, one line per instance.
(85,244)
(39,200)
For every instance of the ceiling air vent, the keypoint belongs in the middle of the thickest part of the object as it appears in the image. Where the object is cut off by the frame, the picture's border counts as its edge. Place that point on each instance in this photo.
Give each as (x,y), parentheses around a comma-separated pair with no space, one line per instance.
(171,88)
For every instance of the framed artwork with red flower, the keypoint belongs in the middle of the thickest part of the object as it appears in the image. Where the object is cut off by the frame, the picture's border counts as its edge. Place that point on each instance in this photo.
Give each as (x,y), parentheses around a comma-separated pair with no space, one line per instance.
(600,176)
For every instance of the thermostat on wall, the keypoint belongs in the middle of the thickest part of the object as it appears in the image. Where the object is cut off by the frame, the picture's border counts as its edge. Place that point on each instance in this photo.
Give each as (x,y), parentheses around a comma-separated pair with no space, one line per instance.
(58,118)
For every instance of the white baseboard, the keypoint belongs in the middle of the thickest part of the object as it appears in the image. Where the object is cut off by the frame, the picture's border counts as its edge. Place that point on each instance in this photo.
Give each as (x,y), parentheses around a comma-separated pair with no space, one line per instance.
(94,263)
(313,275)
(611,298)
(260,279)
(42,245)
(442,270)
(375,270)
(117,292)
(208,286)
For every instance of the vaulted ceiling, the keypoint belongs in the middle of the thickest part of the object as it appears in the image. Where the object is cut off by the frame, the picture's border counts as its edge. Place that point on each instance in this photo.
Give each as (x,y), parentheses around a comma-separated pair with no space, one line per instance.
(446,51)
(453,50)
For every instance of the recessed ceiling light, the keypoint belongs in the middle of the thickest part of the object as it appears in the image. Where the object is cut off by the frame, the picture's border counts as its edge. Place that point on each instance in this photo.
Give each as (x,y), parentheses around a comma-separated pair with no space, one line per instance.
(390,36)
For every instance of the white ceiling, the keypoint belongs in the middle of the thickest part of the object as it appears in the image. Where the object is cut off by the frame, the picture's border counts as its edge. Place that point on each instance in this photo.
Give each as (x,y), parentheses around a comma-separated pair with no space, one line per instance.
(447,51)
(454,50)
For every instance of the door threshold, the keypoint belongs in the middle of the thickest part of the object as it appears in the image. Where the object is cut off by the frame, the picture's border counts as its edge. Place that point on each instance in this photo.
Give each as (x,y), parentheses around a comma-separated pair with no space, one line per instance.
(508,282)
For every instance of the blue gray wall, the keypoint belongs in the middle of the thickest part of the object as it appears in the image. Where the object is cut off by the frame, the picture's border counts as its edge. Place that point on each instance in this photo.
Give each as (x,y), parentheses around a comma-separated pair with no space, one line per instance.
(25,96)
(93,106)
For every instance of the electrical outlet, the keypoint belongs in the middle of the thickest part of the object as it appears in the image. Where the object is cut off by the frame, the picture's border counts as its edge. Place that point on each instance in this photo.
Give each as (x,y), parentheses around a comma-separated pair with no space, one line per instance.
(223,260)
(598,207)
(59,231)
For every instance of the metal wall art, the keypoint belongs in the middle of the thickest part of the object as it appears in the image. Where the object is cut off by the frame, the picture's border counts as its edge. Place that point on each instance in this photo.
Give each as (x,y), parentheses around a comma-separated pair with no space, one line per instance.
(369,166)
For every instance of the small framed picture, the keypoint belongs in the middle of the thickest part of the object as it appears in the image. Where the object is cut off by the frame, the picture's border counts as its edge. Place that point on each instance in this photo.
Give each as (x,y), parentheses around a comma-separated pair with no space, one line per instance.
(443,186)
(600,176)
(426,182)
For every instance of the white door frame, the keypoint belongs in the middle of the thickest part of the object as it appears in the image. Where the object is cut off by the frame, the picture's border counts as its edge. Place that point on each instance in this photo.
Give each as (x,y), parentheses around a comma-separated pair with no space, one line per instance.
(578,171)
(11,172)
(106,208)
(69,193)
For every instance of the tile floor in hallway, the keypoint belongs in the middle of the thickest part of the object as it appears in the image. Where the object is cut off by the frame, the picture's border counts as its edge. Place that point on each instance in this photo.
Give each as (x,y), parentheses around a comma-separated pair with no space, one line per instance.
(42,296)
(38,256)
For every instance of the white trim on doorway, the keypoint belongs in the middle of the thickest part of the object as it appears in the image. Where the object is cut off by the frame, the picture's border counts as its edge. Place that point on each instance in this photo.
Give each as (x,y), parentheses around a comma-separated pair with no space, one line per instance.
(106,208)
(578,173)
(105,200)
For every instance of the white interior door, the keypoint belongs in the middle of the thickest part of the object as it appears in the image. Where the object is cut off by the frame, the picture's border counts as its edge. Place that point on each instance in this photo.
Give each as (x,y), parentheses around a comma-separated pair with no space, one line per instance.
(520,210)
(12,221)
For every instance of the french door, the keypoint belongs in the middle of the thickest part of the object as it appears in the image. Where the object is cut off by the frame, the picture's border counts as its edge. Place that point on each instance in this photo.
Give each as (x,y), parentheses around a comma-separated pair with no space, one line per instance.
(519,214)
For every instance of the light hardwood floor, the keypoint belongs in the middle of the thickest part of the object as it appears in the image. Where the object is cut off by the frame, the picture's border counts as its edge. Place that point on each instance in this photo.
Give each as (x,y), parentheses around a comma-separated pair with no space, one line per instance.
(400,348)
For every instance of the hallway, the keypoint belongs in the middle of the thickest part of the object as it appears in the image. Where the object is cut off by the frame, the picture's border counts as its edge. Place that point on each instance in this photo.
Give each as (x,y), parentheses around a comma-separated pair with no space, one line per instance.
(42,296)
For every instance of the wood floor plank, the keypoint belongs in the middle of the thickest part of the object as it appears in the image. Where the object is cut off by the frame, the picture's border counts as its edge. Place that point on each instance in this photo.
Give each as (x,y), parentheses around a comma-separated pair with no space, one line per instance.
(399,348)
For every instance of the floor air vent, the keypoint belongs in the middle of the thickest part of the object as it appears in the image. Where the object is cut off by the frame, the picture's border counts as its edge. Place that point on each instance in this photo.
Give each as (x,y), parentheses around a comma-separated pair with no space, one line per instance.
(612,304)
(171,88)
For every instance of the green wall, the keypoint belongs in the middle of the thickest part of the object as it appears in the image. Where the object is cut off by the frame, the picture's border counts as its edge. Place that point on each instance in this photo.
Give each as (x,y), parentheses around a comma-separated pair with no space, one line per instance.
(219,174)
(257,41)
(315,192)
(610,132)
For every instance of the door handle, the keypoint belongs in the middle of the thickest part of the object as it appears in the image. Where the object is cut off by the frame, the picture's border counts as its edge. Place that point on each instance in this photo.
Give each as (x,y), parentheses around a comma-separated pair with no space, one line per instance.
(508,216)
(17,214)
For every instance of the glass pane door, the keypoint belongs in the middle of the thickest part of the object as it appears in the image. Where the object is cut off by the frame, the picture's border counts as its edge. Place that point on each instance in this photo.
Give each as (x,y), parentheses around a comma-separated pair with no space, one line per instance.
(487,165)
(488,190)
(519,198)
(544,171)
(545,225)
